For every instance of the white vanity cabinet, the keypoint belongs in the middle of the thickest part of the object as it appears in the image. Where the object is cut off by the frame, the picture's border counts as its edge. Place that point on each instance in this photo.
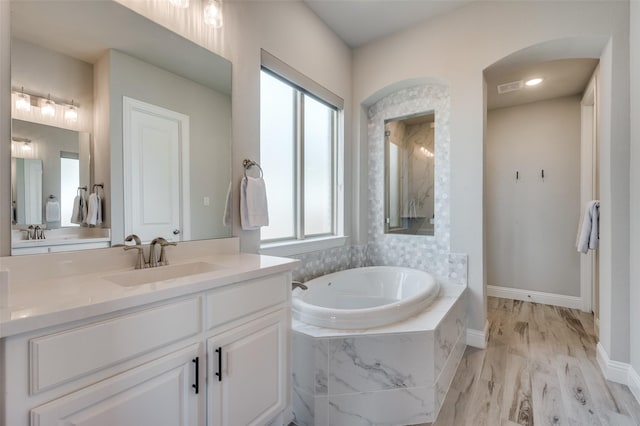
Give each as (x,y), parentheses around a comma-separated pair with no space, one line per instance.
(158,393)
(247,377)
(143,366)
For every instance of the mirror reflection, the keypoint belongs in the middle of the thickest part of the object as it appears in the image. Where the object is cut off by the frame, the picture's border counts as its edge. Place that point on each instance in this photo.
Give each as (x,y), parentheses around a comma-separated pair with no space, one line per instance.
(409,174)
(164,163)
(49,166)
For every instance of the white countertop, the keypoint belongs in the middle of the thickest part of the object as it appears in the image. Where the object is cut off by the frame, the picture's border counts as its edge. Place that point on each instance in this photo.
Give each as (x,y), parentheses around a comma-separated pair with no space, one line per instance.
(61,236)
(57,242)
(48,302)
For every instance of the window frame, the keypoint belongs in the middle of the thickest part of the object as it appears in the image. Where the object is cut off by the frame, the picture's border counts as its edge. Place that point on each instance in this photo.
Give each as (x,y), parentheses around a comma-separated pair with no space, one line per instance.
(299,242)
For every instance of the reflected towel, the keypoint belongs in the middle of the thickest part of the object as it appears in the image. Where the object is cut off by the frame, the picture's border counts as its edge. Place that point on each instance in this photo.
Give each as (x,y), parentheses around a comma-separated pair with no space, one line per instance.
(94,210)
(589,232)
(84,203)
(76,214)
(226,217)
(253,203)
(52,211)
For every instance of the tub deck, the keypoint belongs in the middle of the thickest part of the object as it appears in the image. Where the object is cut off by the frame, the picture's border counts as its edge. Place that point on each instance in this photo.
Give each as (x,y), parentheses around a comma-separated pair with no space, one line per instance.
(397,374)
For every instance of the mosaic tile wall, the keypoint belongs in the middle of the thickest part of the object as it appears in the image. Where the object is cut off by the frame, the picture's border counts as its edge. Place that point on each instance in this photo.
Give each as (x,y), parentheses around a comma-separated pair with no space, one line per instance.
(427,253)
(422,252)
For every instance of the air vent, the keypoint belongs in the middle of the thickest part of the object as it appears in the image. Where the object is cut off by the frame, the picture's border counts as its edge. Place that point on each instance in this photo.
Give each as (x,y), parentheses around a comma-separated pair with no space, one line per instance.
(509,87)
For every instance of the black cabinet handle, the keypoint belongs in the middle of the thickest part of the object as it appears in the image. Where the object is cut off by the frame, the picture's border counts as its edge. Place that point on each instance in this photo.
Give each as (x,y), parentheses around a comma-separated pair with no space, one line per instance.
(196,385)
(219,373)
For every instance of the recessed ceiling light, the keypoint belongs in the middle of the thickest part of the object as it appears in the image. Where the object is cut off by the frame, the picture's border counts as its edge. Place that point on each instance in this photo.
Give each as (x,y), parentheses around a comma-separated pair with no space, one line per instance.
(533,82)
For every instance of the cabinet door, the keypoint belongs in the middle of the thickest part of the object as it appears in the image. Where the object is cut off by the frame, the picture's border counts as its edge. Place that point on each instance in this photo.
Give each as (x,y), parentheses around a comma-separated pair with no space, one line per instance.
(251,360)
(159,393)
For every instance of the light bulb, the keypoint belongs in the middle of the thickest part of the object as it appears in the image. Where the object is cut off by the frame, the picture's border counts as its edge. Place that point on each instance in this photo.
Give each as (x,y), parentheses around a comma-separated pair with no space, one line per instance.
(71,113)
(213,14)
(23,102)
(48,108)
(533,82)
(181,4)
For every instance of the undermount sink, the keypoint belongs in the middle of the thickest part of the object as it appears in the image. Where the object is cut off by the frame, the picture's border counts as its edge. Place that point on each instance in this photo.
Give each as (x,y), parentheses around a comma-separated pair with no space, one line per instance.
(161,273)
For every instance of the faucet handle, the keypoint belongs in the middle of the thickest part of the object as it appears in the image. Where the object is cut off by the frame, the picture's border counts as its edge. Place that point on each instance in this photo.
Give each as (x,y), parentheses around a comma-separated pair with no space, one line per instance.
(164,260)
(133,237)
(141,263)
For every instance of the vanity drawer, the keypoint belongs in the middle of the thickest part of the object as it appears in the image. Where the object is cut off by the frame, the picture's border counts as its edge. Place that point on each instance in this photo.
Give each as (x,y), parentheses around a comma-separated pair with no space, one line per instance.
(237,300)
(70,354)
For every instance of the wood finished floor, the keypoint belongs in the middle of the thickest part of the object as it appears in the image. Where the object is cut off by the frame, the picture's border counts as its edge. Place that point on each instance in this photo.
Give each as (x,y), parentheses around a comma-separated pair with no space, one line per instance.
(539,368)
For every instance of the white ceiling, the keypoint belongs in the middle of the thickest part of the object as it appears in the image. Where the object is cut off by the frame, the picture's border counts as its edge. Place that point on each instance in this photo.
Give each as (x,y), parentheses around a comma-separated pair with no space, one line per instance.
(563,77)
(359,22)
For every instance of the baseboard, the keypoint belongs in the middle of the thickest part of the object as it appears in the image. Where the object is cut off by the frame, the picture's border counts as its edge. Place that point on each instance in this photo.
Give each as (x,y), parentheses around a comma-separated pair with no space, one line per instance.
(614,371)
(634,383)
(478,338)
(535,296)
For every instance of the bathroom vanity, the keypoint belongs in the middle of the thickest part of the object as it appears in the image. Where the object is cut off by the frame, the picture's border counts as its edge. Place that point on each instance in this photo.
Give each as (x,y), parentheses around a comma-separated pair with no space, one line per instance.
(204,340)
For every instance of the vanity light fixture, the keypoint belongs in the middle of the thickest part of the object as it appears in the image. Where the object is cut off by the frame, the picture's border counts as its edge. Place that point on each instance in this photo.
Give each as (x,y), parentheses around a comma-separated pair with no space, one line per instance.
(25,143)
(180,4)
(71,113)
(533,82)
(426,152)
(23,101)
(48,107)
(213,13)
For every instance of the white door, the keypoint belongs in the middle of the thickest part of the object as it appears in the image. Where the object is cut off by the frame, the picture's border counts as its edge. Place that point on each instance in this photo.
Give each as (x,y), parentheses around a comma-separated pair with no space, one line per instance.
(156,172)
(251,361)
(159,393)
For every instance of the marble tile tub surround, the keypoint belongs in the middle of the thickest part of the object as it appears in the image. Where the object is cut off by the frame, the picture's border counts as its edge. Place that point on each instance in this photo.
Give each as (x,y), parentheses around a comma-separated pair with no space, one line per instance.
(383,377)
(421,252)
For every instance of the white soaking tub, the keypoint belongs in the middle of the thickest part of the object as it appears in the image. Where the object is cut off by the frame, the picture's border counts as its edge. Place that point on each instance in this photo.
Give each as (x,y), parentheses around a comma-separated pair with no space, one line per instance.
(364,298)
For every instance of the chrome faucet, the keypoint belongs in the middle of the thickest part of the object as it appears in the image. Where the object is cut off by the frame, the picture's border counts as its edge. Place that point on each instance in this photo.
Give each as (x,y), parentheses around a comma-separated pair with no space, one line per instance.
(298,284)
(153,259)
(141,263)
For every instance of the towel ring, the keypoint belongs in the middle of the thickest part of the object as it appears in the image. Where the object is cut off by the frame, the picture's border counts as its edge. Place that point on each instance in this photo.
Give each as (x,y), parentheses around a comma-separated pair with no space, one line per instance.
(247,164)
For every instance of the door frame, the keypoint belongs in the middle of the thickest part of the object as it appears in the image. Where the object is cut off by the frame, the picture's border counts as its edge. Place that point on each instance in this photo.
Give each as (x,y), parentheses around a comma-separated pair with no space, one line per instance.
(589,188)
(130,105)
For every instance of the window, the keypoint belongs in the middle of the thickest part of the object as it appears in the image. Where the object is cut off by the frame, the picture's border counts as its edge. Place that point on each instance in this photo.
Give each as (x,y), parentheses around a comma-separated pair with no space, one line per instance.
(299,152)
(69,182)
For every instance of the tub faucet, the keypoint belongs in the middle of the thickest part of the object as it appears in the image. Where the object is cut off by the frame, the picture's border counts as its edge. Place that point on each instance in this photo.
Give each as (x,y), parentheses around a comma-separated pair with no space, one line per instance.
(298,284)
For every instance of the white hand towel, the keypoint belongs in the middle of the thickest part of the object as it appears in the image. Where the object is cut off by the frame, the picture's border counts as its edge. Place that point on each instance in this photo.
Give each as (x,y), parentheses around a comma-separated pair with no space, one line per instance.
(226,217)
(589,234)
(254,212)
(52,211)
(92,209)
(76,214)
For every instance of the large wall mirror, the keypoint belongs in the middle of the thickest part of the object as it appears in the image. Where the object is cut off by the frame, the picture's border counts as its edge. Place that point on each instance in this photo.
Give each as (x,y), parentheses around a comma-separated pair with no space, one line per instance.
(410,174)
(106,101)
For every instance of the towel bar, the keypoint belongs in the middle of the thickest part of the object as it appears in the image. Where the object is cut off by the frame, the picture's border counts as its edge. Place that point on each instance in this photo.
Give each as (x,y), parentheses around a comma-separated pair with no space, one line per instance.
(247,164)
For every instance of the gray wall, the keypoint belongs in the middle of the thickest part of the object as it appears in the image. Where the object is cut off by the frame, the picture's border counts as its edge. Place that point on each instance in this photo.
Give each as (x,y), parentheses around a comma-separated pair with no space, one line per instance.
(209,130)
(439,48)
(531,224)
(5,133)
(635,188)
